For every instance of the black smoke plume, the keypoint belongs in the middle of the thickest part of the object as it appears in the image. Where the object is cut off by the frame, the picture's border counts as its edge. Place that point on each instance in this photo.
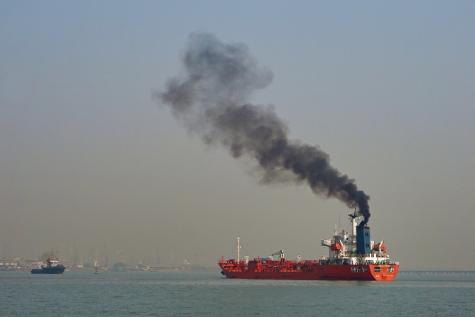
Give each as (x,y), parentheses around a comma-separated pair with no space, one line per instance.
(212,99)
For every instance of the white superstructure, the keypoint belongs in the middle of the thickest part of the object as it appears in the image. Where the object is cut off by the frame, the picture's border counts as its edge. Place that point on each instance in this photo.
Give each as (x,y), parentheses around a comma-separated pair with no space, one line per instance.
(342,247)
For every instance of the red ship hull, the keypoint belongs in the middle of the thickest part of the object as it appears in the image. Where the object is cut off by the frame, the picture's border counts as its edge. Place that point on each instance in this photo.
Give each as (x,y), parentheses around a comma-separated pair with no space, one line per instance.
(307,270)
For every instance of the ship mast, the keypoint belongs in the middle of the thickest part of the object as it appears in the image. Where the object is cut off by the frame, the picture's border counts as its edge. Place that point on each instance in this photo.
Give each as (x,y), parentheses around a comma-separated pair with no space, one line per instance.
(353,223)
(353,217)
(238,249)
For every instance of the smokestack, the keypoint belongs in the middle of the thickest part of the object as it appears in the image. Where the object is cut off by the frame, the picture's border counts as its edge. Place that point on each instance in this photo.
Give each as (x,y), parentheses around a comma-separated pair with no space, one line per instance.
(212,100)
(363,239)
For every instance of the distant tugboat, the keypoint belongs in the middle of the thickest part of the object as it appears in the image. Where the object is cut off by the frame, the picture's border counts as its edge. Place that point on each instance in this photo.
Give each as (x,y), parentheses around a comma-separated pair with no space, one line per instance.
(52,267)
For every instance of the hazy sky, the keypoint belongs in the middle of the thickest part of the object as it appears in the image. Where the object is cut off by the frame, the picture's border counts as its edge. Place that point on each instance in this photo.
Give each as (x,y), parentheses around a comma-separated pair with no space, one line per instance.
(90,162)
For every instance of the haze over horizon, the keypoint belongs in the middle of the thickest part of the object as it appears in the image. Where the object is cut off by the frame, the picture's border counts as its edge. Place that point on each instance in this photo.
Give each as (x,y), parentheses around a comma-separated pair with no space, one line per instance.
(91,165)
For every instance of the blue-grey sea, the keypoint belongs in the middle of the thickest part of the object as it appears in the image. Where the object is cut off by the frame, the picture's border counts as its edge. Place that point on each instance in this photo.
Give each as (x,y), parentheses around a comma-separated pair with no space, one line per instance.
(209,294)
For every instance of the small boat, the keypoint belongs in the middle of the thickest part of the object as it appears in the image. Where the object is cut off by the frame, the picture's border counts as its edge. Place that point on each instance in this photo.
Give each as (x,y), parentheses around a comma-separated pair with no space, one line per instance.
(53,266)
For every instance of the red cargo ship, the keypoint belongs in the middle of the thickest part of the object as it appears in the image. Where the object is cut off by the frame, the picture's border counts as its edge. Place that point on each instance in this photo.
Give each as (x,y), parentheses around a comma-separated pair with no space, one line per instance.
(352,256)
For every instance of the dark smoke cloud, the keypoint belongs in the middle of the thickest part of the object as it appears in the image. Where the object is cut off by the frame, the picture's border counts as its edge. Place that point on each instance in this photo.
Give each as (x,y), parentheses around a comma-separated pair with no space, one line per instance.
(213,101)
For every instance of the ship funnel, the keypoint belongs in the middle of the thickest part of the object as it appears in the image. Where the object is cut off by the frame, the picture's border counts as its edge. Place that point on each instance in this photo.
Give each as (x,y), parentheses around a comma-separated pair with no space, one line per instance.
(363,239)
